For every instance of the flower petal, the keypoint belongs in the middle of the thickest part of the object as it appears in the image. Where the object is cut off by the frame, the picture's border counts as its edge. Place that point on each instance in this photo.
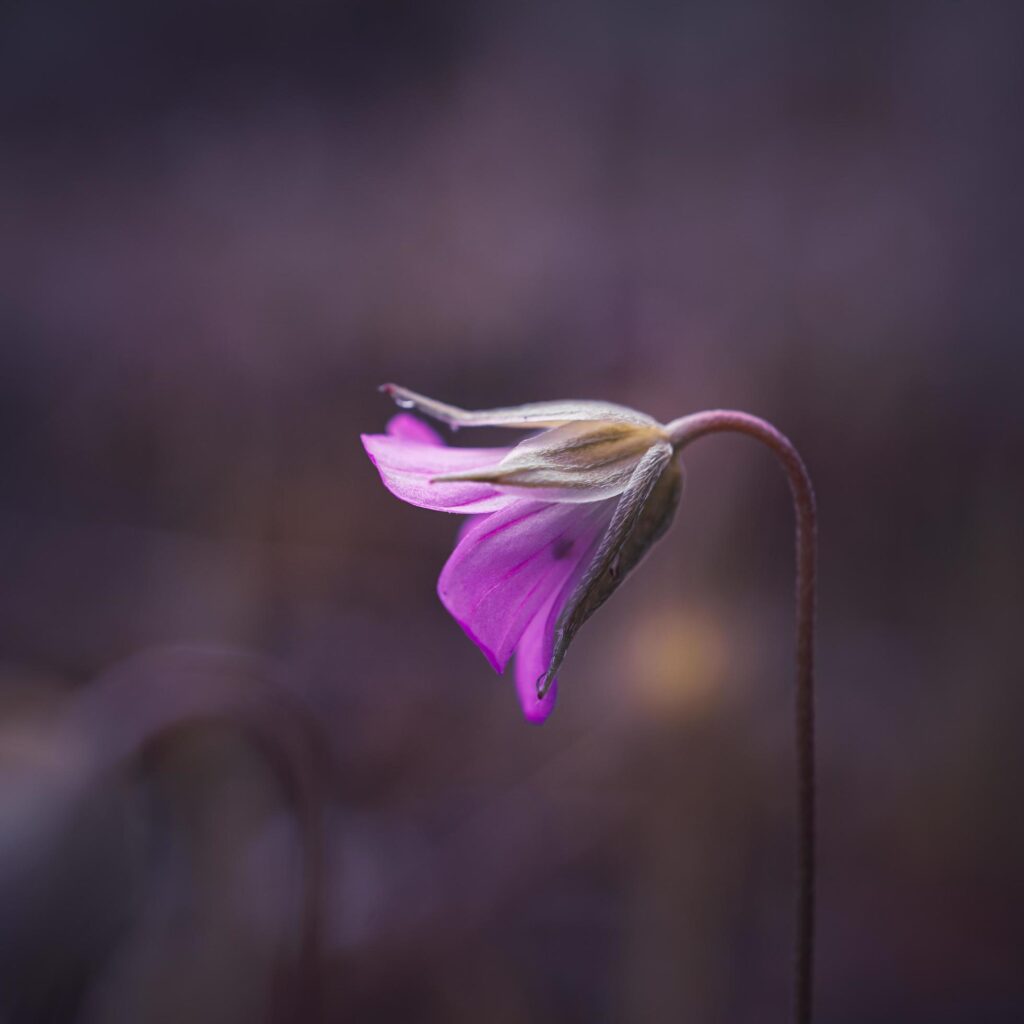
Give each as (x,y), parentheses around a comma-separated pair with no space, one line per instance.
(510,564)
(526,417)
(412,428)
(642,515)
(409,460)
(533,655)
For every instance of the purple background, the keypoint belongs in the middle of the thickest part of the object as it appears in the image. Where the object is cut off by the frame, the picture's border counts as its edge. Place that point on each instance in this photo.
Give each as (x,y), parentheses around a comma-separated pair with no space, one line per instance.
(222,225)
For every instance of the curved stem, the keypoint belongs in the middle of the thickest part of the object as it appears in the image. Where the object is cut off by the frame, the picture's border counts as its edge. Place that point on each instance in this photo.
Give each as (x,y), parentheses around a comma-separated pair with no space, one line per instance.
(683,432)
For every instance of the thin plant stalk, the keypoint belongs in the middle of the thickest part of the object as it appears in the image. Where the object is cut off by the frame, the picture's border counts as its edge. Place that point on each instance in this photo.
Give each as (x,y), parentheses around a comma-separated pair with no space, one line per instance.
(684,431)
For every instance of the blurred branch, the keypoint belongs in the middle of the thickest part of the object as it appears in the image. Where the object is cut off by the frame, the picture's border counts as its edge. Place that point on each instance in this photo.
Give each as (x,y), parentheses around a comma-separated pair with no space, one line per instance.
(138,704)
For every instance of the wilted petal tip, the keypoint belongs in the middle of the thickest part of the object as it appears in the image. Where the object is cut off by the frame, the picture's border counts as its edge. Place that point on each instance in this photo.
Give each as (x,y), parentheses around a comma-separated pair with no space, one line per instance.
(544,685)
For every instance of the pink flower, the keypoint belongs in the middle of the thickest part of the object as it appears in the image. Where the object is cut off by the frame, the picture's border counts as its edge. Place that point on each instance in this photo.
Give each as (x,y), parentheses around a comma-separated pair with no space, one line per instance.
(555,522)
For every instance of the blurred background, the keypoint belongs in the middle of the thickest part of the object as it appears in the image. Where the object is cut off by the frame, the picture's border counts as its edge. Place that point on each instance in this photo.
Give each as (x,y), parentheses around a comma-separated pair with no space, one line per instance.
(249,768)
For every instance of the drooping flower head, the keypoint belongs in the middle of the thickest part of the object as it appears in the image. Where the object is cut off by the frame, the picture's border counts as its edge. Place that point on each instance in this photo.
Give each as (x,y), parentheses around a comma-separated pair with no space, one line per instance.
(555,523)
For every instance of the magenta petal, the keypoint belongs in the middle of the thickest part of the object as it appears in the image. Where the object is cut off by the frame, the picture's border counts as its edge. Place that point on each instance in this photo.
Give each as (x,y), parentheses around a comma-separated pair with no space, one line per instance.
(533,655)
(510,565)
(408,464)
(537,644)
(412,428)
